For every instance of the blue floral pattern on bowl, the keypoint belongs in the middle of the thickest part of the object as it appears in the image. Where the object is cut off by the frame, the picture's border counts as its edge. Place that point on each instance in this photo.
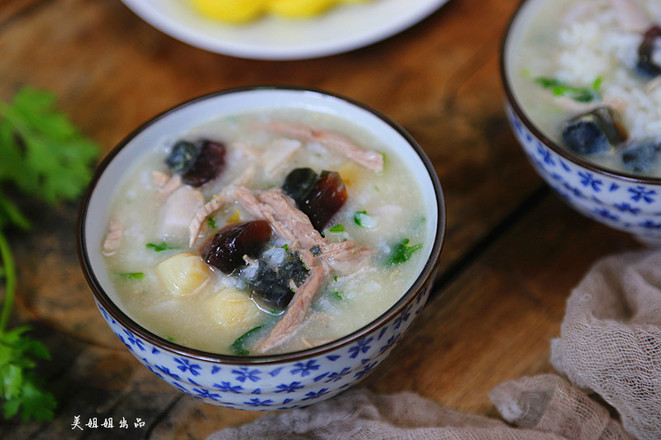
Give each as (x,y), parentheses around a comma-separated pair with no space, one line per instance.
(274,385)
(620,203)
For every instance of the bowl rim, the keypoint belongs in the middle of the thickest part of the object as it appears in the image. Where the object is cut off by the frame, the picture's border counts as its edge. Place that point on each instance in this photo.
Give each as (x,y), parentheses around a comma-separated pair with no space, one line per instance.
(426,274)
(525,120)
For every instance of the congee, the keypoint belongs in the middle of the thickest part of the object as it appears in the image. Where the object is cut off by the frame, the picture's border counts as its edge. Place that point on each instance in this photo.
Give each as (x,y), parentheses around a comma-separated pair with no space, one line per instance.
(588,74)
(265,233)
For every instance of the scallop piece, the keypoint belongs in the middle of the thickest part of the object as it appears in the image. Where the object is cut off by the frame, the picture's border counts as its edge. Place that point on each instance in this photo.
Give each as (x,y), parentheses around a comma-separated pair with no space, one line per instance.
(183,274)
(234,311)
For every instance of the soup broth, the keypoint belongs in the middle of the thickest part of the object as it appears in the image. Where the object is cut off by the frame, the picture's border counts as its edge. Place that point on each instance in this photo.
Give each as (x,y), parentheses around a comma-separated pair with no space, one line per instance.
(169,240)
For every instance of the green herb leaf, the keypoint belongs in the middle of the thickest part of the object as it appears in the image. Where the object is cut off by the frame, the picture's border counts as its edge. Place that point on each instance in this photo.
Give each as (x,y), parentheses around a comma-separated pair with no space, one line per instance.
(44,156)
(285,246)
(238,346)
(132,275)
(338,294)
(20,387)
(402,252)
(596,85)
(578,94)
(163,246)
(362,219)
(337,228)
(212,222)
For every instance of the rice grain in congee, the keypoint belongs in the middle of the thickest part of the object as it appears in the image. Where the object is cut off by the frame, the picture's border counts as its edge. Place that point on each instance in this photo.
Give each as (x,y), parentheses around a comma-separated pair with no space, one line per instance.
(260,233)
(588,74)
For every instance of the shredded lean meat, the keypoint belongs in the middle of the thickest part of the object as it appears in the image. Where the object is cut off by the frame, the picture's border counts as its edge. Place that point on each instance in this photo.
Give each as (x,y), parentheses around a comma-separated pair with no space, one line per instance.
(113,239)
(344,256)
(293,225)
(298,308)
(289,216)
(369,159)
(213,205)
(166,184)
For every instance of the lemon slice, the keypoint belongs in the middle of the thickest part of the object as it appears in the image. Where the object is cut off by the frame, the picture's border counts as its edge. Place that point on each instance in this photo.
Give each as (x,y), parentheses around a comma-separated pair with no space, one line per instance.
(231,11)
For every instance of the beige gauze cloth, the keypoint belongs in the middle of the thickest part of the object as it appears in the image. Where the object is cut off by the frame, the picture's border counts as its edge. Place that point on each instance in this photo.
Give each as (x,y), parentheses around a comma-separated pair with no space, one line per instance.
(610,345)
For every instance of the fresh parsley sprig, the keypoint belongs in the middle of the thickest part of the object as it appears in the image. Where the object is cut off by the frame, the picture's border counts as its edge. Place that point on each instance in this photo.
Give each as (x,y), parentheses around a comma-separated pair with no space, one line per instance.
(43,156)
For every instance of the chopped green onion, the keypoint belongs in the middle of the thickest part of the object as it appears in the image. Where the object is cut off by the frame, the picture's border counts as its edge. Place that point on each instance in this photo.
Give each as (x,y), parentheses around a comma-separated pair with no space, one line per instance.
(362,219)
(596,85)
(285,247)
(171,339)
(238,346)
(132,275)
(337,294)
(337,228)
(335,278)
(160,247)
(212,222)
(578,94)
(402,252)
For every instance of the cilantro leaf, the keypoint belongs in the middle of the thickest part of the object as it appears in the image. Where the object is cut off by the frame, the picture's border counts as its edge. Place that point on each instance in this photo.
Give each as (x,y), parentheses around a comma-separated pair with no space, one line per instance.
(44,156)
(238,346)
(579,94)
(20,387)
(160,247)
(336,228)
(132,275)
(361,218)
(402,252)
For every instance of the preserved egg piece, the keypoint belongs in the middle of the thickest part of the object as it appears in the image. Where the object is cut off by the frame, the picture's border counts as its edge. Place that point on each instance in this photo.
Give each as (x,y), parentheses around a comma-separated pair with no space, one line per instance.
(325,199)
(641,158)
(268,286)
(299,183)
(595,132)
(227,248)
(273,280)
(649,54)
(208,164)
(182,156)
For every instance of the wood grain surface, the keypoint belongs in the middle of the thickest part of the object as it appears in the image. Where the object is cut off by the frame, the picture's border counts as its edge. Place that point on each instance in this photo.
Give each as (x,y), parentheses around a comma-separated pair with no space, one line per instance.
(513,250)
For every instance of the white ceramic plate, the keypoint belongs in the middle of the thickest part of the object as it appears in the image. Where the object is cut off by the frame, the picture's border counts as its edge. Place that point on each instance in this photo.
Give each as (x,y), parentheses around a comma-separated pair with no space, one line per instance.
(342,29)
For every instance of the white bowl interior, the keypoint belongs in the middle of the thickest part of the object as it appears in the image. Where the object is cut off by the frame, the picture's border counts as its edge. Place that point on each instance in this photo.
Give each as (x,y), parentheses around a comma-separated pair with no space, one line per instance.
(517,28)
(190,115)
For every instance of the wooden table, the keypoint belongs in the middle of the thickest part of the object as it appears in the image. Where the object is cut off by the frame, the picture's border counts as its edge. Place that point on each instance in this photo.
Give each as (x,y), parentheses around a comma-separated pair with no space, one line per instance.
(513,250)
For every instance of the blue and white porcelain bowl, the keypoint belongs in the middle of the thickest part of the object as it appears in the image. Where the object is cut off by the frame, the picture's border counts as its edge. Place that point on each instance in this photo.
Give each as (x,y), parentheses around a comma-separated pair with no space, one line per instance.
(258,382)
(622,201)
